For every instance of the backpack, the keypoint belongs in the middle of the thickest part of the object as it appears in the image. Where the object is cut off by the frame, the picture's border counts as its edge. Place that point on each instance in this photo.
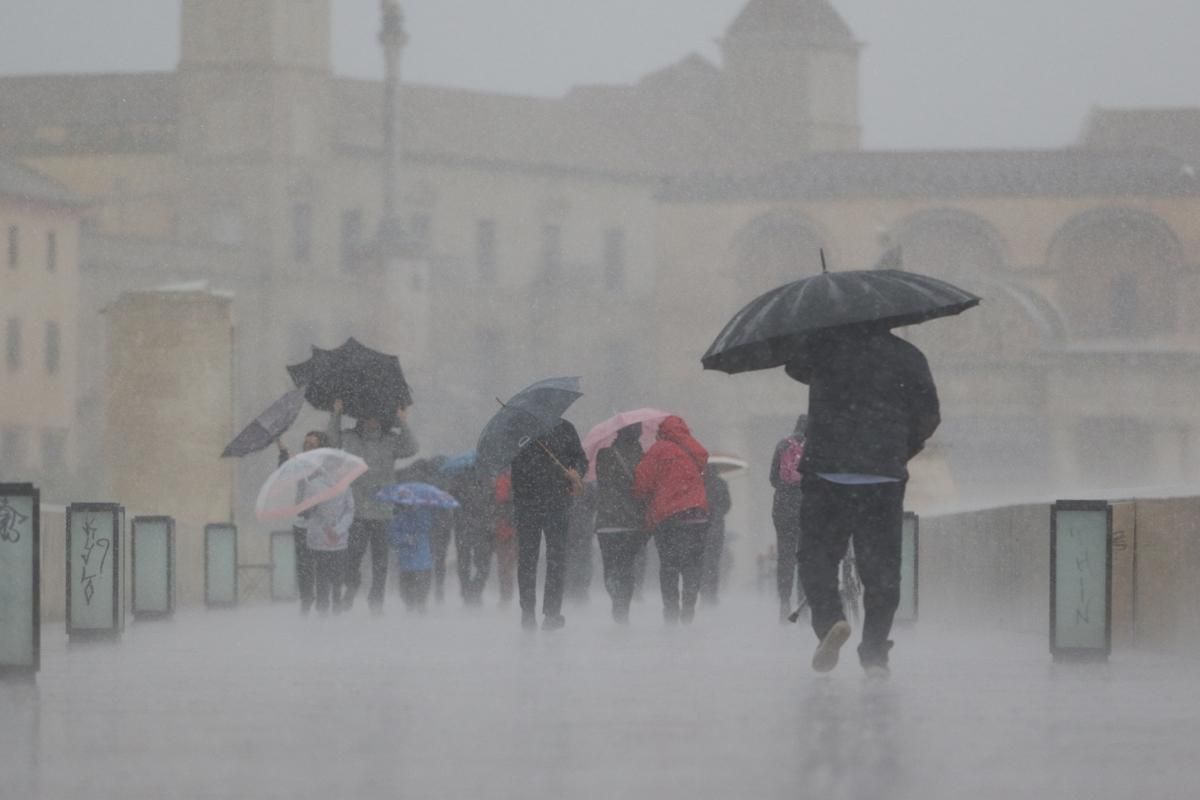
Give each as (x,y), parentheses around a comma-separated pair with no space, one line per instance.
(789,462)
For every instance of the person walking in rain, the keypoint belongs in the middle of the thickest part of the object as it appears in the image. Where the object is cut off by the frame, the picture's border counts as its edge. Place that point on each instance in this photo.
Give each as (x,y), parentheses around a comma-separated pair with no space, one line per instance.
(327,534)
(380,447)
(872,405)
(411,532)
(670,480)
(619,517)
(720,503)
(305,575)
(546,478)
(474,530)
(786,477)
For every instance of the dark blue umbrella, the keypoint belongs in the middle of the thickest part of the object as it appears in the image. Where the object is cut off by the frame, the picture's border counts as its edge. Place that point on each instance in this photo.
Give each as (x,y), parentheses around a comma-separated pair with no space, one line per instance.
(416,494)
(268,426)
(532,412)
(459,463)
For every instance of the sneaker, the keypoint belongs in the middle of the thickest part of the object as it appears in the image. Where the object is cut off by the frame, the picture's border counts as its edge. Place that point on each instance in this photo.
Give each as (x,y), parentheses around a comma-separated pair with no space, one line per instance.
(877,672)
(528,621)
(826,656)
(553,622)
(687,614)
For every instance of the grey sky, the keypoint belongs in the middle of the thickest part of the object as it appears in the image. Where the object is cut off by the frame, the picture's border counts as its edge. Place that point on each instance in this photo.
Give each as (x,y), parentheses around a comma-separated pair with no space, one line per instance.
(936,73)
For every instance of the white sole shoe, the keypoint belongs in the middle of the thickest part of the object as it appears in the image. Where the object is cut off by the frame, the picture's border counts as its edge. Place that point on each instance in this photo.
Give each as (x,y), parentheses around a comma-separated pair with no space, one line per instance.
(826,656)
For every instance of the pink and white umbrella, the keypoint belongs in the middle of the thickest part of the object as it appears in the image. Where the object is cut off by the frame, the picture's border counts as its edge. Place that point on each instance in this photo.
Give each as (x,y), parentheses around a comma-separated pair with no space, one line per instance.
(306,480)
(604,434)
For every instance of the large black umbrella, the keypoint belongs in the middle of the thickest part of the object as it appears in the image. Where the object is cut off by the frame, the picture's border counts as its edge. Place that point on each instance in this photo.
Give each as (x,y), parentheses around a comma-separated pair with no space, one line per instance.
(267,426)
(531,412)
(368,382)
(768,331)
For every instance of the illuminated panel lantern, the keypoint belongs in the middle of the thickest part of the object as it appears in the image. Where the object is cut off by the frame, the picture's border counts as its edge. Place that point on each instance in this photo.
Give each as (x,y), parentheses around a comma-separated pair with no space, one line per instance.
(153,555)
(20,580)
(220,566)
(909,569)
(94,601)
(1081,580)
(283,566)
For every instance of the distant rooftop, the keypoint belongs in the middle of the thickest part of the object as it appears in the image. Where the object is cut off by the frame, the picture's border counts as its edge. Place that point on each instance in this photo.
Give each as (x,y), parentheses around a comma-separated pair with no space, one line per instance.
(21,183)
(950,174)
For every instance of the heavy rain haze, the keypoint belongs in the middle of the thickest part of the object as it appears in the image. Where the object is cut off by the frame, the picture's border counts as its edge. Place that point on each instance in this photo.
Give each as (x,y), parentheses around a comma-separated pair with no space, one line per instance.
(1017,74)
(319,317)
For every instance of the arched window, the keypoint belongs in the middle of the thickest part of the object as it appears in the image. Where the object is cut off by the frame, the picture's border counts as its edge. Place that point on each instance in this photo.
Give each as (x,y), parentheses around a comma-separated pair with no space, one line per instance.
(1117,272)
(947,243)
(777,248)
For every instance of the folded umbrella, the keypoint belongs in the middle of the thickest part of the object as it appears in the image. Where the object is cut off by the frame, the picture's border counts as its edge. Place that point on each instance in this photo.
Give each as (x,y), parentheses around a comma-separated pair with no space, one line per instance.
(770,329)
(727,465)
(604,434)
(533,411)
(416,494)
(369,383)
(306,480)
(267,426)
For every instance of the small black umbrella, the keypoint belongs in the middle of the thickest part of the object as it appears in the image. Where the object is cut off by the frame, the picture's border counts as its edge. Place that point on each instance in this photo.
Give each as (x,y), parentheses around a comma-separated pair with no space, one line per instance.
(267,426)
(533,411)
(368,382)
(768,331)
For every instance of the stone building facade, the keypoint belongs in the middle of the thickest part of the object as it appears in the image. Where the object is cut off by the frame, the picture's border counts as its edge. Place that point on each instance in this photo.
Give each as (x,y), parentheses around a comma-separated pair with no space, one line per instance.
(612,231)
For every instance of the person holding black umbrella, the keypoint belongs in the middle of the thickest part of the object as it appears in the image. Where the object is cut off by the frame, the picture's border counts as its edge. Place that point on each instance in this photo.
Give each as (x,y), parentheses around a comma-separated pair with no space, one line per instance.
(380,447)
(546,477)
(872,404)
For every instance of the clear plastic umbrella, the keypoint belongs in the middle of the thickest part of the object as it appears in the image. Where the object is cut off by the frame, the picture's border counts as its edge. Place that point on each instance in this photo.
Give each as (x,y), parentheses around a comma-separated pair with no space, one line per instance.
(307,480)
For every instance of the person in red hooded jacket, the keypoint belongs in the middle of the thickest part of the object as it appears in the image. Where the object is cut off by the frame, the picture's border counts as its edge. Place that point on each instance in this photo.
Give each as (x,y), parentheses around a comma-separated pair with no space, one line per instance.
(670,479)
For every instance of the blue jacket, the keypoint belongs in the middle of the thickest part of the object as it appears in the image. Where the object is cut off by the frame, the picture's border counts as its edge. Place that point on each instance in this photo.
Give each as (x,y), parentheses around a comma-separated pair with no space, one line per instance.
(409,533)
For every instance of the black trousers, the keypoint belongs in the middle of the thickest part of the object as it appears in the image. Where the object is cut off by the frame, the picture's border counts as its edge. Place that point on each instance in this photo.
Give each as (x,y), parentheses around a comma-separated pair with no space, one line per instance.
(681,560)
(364,533)
(710,570)
(441,545)
(787,542)
(329,573)
(305,575)
(414,588)
(531,526)
(619,550)
(474,550)
(872,516)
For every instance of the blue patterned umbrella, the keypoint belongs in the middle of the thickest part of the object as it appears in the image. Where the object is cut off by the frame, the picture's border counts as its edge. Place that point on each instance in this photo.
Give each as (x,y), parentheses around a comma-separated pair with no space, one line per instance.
(416,494)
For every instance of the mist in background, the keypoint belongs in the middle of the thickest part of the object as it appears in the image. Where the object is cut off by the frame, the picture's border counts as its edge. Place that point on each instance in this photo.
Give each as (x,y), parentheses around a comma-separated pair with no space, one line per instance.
(1016,74)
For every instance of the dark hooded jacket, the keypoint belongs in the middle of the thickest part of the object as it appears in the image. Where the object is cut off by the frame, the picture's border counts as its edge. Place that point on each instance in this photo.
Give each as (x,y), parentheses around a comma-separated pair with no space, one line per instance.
(616,507)
(872,403)
(670,477)
(538,483)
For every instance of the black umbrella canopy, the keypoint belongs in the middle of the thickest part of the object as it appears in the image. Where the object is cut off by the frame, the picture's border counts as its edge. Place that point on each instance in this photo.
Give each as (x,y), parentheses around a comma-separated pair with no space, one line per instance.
(531,412)
(368,382)
(267,426)
(765,333)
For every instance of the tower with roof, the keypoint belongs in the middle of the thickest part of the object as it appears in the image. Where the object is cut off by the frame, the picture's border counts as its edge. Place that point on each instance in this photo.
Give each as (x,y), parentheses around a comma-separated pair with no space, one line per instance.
(790,80)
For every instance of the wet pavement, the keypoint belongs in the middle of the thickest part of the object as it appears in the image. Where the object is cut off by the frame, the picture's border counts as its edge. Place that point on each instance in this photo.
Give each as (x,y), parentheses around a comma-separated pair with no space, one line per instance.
(261,703)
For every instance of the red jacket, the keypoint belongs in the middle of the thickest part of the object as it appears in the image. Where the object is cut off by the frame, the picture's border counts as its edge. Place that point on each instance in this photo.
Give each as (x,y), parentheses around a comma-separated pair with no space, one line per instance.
(670,477)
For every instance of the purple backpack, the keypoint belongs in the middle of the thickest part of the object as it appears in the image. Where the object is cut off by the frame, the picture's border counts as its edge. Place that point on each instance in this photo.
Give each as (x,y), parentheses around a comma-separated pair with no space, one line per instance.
(789,462)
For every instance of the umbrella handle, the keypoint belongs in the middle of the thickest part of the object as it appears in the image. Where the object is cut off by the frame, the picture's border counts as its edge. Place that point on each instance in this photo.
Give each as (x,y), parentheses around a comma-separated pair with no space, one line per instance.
(576,484)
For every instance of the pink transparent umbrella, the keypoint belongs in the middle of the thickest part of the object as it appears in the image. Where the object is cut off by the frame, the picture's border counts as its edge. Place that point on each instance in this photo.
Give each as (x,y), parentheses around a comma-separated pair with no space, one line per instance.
(306,480)
(604,434)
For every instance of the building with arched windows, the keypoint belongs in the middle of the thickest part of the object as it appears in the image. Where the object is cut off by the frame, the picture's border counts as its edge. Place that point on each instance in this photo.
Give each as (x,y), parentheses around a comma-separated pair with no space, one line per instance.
(612,231)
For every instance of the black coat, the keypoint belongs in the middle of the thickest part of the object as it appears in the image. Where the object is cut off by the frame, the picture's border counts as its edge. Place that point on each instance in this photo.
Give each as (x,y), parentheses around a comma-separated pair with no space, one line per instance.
(616,506)
(538,483)
(871,404)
